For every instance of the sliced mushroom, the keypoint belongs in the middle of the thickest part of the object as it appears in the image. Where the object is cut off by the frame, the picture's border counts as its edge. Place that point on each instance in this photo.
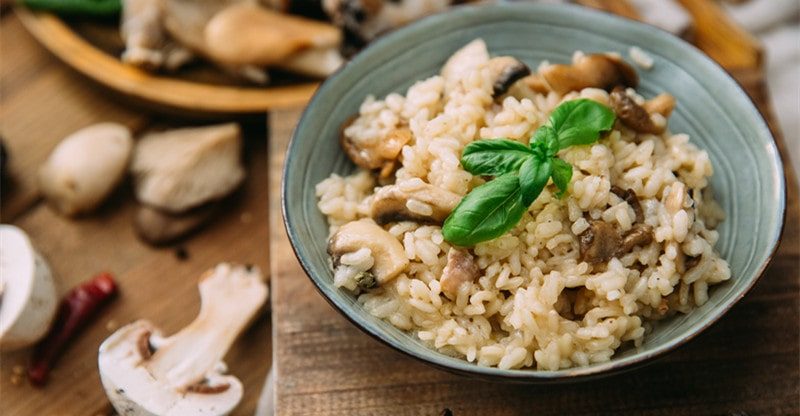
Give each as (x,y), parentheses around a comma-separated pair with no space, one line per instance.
(660,104)
(639,235)
(632,114)
(158,227)
(506,70)
(27,289)
(85,167)
(597,70)
(144,373)
(381,154)
(248,34)
(599,243)
(176,170)
(460,269)
(629,196)
(536,83)
(424,204)
(388,254)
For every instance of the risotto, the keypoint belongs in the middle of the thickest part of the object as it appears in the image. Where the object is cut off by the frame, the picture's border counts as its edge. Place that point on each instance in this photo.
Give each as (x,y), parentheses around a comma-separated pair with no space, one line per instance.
(630,241)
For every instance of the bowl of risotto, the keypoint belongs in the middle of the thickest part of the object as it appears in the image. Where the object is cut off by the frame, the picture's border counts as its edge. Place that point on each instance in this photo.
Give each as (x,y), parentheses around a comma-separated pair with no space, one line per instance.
(532,192)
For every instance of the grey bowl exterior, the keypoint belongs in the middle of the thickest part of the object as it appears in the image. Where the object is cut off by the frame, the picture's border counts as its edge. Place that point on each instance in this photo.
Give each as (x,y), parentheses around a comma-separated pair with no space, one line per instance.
(712,108)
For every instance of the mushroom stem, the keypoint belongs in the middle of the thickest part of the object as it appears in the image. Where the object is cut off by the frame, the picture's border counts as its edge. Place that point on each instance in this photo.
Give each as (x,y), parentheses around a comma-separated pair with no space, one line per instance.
(185,358)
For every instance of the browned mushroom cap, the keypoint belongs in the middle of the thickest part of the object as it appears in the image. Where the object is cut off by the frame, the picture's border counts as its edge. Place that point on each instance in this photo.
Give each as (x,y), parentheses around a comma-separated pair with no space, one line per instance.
(460,269)
(506,70)
(631,114)
(597,70)
(661,104)
(599,243)
(638,236)
(536,83)
(380,155)
(630,197)
(429,204)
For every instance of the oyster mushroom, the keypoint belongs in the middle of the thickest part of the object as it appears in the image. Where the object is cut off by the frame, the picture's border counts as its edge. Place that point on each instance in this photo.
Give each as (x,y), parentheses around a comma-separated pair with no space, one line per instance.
(366,19)
(248,34)
(596,70)
(422,203)
(158,227)
(378,154)
(632,114)
(85,167)
(27,289)
(388,258)
(177,170)
(143,33)
(460,269)
(506,70)
(144,373)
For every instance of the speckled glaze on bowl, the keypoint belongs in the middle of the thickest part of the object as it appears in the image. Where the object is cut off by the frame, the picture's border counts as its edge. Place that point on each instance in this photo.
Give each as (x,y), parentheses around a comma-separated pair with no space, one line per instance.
(720,118)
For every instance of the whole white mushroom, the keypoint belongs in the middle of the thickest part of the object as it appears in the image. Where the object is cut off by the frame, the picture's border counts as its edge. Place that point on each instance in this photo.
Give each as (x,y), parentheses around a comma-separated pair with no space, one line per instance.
(85,167)
(28,292)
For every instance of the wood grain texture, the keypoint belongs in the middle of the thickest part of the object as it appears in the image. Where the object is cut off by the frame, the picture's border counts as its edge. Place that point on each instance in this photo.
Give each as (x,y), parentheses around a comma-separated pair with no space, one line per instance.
(42,101)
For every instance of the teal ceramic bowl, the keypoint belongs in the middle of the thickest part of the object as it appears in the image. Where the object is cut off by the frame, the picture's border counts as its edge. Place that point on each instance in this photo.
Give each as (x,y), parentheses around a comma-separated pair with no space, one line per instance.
(720,118)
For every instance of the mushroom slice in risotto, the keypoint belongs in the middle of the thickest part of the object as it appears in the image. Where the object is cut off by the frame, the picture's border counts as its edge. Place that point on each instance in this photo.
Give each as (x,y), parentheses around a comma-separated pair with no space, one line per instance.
(460,269)
(638,236)
(601,241)
(381,154)
(632,114)
(388,257)
(597,70)
(629,196)
(506,70)
(423,203)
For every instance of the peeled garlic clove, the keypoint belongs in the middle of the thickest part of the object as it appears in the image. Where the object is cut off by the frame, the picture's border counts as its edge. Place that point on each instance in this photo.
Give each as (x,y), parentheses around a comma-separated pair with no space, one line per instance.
(85,167)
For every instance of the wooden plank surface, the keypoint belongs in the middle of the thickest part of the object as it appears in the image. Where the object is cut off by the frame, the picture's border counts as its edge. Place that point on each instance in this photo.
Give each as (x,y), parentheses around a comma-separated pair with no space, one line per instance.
(42,101)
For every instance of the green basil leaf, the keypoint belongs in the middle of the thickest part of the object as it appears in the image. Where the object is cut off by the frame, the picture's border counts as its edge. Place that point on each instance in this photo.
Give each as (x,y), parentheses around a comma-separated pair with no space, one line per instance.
(545,139)
(487,212)
(562,174)
(494,156)
(580,121)
(533,177)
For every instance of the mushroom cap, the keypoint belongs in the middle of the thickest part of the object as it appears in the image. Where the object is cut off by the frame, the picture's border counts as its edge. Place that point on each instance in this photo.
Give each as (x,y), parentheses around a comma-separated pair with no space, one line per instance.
(176,170)
(85,167)
(391,203)
(29,299)
(133,391)
(248,34)
(389,255)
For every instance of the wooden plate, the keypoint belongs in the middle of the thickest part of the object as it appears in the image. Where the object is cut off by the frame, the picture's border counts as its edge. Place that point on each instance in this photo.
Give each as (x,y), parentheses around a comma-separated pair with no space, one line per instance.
(93,47)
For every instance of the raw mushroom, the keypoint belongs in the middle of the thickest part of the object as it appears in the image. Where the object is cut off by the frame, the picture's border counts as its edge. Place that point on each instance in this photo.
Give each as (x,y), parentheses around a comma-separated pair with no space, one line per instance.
(247,34)
(146,374)
(366,19)
(28,292)
(143,33)
(460,269)
(380,154)
(597,71)
(389,257)
(422,203)
(158,227)
(177,170)
(85,167)
(506,70)
(632,114)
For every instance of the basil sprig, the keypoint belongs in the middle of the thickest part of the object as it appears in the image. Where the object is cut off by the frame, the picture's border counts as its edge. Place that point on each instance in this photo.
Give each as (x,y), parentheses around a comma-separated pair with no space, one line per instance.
(521,172)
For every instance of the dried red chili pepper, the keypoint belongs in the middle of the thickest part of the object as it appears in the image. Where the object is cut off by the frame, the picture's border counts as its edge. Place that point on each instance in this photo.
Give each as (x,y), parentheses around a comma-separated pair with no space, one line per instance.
(76,309)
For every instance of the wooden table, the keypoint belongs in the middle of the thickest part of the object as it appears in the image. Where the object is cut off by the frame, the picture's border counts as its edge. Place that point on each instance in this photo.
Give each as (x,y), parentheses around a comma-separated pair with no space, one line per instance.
(43,101)
(746,364)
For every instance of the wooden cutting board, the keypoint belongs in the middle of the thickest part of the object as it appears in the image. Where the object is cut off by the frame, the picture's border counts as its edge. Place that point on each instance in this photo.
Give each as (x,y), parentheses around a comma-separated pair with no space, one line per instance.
(746,364)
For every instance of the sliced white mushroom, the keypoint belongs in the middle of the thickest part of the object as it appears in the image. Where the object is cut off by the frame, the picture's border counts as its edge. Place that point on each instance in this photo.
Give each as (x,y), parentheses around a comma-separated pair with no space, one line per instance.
(420,202)
(377,154)
(460,269)
(28,299)
(85,167)
(506,70)
(180,169)
(388,257)
(596,70)
(248,34)
(144,373)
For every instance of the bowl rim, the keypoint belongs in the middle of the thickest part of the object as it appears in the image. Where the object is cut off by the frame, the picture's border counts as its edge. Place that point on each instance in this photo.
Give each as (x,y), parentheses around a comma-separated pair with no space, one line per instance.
(528,375)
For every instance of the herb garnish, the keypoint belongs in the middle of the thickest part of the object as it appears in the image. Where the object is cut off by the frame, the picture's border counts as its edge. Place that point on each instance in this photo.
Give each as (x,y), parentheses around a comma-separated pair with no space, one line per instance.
(521,172)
